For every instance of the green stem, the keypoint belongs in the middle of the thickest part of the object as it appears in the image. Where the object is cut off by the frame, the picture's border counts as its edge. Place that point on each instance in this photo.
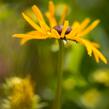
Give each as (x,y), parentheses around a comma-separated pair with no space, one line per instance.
(57,101)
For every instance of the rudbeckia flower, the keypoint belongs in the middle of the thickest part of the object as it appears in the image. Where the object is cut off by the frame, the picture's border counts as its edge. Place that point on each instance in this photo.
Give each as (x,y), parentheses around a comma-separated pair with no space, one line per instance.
(62,31)
(20,94)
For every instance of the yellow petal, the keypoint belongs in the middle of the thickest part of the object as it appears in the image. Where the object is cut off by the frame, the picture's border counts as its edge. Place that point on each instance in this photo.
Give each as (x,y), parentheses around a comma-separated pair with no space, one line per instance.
(51,8)
(96,45)
(100,55)
(79,27)
(83,24)
(40,18)
(30,36)
(54,34)
(64,13)
(64,28)
(32,33)
(51,14)
(75,26)
(96,57)
(86,44)
(31,22)
(38,13)
(90,28)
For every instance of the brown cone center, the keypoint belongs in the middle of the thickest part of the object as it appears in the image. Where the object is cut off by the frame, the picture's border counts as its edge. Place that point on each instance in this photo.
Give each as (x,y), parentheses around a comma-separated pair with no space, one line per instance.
(60,27)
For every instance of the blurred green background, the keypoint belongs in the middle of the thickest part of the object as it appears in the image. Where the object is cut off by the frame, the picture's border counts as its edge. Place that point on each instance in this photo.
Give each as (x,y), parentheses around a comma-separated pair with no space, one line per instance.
(85,83)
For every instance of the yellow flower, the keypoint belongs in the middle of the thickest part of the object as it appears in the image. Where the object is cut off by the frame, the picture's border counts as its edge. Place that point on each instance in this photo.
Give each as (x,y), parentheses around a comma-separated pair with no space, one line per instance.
(69,84)
(61,31)
(91,98)
(21,94)
(101,76)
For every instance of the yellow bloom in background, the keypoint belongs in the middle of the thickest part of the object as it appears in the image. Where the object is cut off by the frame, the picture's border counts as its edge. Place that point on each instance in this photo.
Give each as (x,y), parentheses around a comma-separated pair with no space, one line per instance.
(91,98)
(20,92)
(69,84)
(101,76)
(61,30)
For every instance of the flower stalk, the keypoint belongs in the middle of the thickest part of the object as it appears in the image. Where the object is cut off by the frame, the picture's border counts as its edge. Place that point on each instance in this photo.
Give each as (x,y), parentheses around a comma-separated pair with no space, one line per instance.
(58,96)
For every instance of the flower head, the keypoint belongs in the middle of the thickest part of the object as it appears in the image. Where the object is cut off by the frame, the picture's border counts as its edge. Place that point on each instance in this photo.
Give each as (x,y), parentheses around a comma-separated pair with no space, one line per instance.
(91,98)
(101,76)
(61,30)
(20,94)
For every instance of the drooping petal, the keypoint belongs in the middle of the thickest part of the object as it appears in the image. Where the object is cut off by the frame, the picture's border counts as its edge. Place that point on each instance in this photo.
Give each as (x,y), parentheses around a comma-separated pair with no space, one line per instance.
(65,26)
(64,13)
(31,22)
(90,28)
(40,18)
(96,57)
(51,14)
(91,48)
(86,44)
(96,45)
(99,55)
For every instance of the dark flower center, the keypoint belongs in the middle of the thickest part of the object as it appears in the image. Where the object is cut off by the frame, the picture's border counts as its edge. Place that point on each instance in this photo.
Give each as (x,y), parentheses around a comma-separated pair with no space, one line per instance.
(60,27)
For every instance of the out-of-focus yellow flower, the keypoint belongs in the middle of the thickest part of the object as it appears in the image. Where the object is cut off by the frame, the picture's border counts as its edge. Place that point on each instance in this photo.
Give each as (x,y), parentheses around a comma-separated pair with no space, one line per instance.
(102,76)
(61,31)
(21,95)
(91,98)
(69,84)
